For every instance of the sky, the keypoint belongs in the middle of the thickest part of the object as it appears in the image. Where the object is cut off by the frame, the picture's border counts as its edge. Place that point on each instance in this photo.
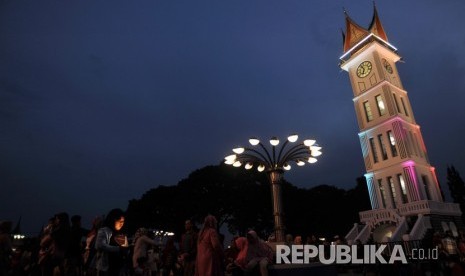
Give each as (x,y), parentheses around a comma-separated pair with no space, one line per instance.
(101,101)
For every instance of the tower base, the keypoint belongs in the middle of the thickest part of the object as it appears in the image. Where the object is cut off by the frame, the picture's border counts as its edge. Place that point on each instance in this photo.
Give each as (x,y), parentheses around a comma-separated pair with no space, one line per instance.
(412,221)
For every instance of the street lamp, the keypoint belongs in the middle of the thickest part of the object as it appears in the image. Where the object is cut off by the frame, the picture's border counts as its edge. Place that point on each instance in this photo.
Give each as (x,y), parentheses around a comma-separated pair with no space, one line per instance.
(275,163)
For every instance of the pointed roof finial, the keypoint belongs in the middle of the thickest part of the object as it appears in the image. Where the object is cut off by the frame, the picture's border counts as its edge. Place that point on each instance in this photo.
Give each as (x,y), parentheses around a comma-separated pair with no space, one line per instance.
(375,26)
(343,38)
(354,33)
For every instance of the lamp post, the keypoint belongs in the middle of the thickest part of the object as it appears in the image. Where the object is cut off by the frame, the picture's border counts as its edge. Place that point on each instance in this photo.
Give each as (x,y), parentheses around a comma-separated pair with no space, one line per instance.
(275,162)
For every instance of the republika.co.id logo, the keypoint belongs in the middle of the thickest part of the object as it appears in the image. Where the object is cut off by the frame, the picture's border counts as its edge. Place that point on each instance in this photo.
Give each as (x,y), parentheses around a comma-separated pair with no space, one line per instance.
(345,254)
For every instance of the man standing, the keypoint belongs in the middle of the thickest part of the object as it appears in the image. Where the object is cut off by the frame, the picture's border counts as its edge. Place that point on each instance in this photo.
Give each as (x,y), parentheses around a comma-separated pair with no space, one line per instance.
(188,249)
(75,247)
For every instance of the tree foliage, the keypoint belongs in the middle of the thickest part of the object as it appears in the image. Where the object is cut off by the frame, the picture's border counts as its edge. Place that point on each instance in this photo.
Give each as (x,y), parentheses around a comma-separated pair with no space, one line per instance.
(456,188)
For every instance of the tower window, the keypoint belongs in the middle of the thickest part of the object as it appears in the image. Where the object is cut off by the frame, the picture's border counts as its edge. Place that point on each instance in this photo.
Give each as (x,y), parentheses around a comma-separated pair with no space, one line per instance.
(381,106)
(383,193)
(403,105)
(424,179)
(413,143)
(396,102)
(404,197)
(392,143)
(373,150)
(393,191)
(383,147)
(368,113)
(420,151)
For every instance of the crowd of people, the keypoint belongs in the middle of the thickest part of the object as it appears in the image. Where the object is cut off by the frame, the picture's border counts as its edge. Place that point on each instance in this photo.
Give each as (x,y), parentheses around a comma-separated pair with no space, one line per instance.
(64,247)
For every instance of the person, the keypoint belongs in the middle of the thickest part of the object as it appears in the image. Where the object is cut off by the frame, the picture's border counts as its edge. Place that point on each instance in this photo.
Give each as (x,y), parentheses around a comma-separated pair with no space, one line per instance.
(451,252)
(154,260)
(5,247)
(209,260)
(188,249)
(298,240)
(311,239)
(168,259)
(230,253)
(45,247)
(254,253)
(89,251)
(75,250)
(439,265)
(139,257)
(54,245)
(337,240)
(111,245)
(237,266)
(289,240)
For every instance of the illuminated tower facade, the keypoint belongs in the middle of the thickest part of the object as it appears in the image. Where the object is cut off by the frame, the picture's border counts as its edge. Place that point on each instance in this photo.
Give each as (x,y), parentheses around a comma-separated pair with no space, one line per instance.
(404,191)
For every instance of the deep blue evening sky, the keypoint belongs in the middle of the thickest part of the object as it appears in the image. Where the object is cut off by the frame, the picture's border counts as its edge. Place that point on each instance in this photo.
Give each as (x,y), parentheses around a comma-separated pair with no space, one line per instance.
(101,101)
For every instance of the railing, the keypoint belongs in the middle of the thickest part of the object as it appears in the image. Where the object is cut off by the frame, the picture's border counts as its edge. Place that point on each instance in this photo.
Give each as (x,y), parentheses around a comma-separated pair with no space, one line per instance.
(401,229)
(364,234)
(376,216)
(430,207)
(353,233)
(419,229)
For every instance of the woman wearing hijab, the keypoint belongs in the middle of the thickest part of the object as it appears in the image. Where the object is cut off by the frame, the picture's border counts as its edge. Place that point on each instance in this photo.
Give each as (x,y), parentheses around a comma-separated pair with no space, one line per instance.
(237,267)
(253,252)
(209,250)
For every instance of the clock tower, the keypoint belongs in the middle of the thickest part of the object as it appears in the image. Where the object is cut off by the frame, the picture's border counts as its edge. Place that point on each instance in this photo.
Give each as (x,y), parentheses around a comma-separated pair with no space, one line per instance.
(404,192)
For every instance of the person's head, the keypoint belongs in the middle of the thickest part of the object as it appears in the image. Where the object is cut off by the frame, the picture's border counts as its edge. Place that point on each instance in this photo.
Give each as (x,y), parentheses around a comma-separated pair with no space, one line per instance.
(252,237)
(141,232)
(62,219)
(298,240)
(76,220)
(115,219)
(240,243)
(97,222)
(289,238)
(188,225)
(210,222)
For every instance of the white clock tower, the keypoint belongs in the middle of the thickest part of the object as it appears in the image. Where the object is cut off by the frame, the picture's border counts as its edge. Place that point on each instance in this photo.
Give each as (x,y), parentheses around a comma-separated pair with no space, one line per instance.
(405,196)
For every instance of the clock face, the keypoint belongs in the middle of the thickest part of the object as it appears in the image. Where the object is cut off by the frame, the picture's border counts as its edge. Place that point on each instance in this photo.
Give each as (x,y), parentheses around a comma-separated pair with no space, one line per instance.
(364,69)
(387,66)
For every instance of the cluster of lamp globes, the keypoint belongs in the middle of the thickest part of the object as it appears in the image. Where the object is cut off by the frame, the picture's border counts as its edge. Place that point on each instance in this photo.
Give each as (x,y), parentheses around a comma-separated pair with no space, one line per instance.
(301,153)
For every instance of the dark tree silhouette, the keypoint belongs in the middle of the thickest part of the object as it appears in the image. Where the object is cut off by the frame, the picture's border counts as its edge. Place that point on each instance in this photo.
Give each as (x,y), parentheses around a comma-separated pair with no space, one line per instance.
(456,188)
(241,199)
(324,210)
(235,197)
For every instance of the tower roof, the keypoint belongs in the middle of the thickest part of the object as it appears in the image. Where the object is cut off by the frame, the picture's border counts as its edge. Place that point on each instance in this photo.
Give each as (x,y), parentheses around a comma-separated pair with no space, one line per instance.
(355,33)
